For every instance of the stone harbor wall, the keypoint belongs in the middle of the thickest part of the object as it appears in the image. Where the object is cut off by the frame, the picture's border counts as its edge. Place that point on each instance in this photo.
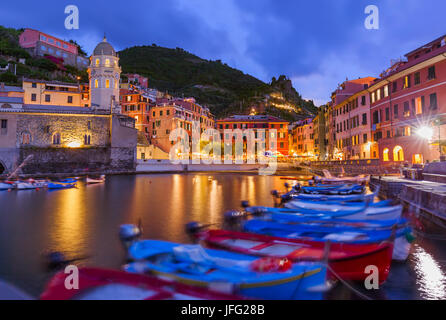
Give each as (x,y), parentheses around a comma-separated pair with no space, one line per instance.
(86,143)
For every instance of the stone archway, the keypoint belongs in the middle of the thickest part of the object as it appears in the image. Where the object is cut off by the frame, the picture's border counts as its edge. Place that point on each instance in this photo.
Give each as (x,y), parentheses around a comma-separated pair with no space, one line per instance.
(2,167)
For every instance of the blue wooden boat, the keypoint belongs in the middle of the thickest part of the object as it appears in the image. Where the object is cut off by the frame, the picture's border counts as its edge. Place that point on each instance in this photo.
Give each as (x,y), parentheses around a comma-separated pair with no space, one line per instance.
(334,190)
(58,185)
(322,211)
(6,186)
(288,216)
(403,236)
(227,272)
(68,180)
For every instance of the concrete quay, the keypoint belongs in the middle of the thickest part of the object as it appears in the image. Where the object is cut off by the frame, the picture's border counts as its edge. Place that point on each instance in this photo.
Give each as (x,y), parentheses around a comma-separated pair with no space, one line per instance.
(426,197)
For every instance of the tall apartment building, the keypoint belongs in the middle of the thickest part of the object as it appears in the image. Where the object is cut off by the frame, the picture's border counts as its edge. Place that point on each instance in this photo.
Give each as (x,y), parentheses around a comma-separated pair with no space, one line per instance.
(302,135)
(351,120)
(136,104)
(408,106)
(167,115)
(40,44)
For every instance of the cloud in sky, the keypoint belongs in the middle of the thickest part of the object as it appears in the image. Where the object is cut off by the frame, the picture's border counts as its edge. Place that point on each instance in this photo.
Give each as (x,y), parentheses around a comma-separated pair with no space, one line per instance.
(316,43)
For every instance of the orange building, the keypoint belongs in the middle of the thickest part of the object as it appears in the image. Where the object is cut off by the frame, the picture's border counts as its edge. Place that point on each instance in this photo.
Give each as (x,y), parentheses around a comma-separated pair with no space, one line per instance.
(302,139)
(137,106)
(167,115)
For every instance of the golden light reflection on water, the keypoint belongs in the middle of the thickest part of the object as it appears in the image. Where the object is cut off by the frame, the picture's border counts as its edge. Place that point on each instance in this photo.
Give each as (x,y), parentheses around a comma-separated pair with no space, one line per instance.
(70,220)
(431,279)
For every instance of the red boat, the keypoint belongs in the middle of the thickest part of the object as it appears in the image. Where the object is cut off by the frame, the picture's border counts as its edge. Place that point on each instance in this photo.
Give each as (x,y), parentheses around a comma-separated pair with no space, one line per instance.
(346,261)
(102,284)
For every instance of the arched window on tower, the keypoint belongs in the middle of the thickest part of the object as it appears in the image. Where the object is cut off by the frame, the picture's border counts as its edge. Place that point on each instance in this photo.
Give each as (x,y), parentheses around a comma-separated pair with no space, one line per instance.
(96,83)
(107,83)
(107,62)
(97,62)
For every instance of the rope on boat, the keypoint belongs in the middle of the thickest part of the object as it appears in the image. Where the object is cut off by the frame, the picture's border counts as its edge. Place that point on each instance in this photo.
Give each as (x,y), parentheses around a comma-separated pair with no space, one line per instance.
(345,283)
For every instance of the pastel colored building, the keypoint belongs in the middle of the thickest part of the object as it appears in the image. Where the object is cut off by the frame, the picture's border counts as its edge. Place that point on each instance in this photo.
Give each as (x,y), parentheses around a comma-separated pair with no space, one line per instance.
(408,106)
(267,123)
(167,115)
(136,105)
(38,43)
(138,80)
(303,140)
(351,120)
(55,93)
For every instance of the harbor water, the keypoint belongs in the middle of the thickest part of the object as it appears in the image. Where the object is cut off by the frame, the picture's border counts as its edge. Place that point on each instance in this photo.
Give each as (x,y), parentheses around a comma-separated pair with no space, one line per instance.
(83,223)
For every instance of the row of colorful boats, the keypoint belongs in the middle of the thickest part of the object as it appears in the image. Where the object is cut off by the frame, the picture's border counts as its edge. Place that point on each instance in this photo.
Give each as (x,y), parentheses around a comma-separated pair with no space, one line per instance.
(33,184)
(296,251)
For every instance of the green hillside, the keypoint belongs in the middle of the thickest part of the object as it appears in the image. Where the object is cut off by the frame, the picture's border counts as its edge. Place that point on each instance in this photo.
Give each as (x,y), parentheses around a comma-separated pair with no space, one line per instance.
(224,89)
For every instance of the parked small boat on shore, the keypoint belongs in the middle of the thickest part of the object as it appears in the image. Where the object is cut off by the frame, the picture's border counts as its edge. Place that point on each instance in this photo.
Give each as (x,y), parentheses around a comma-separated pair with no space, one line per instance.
(101,179)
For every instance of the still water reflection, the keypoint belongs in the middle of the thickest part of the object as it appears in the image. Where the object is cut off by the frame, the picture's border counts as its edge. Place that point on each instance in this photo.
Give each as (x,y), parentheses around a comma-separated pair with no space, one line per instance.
(84,223)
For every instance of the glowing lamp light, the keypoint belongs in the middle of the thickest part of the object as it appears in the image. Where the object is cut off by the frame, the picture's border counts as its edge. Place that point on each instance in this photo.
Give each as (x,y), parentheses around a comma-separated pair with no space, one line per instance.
(425,132)
(73,144)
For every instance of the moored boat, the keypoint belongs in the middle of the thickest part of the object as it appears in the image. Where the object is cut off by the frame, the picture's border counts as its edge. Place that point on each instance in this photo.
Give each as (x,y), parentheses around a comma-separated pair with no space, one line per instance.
(403,235)
(101,179)
(59,185)
(346,261)
(6,185)
(229,272)
(30,184)
(102,284)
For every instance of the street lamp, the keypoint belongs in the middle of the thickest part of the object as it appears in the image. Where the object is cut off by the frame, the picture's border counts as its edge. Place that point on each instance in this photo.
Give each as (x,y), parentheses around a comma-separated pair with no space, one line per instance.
(437,122)
(425,132)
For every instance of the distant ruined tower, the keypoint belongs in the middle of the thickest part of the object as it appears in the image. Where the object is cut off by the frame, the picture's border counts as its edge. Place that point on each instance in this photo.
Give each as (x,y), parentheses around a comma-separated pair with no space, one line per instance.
(104,76)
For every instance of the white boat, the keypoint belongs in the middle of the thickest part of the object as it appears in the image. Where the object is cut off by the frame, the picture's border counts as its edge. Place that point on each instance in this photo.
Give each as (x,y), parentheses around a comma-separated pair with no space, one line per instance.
(31,184)
(96,181)
(6,186)
(329,179)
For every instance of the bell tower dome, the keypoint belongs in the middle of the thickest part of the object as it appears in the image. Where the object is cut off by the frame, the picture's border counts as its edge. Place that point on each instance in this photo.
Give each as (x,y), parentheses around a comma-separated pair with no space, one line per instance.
(104,76)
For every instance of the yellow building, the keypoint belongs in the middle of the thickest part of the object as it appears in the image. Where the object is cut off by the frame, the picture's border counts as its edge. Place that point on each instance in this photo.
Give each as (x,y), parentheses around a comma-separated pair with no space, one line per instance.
(55,93)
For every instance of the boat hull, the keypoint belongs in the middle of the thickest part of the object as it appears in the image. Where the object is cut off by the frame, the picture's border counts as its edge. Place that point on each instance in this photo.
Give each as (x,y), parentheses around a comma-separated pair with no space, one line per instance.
(102,284)
(347,262)
(304,281)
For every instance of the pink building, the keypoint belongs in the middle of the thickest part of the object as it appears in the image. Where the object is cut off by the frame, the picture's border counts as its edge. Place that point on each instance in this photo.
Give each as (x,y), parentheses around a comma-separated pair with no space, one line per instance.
(408,106)
(138,80)
(351,120)
(40,44)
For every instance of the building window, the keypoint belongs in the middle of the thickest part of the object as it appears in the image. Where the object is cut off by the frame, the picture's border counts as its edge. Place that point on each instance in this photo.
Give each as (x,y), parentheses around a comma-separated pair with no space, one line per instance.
(386,155)
(398,154)
(395,86)
(417,159)
(26,138)
(96,83)
(4,127)
(431,73)
(33,97)
(387,114)
(406,109)
(56,139)
(378,94)
(419,105)
(107,62)
(417,78)
(97,62)
(407,131)
(47,98)
(386,91)
(89,125)
(70,99)
(129,98)
(87,139)
(373,97)
(363,100)
(107,83)
(364,138)
(34,85)
(406,82)
(433,101)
